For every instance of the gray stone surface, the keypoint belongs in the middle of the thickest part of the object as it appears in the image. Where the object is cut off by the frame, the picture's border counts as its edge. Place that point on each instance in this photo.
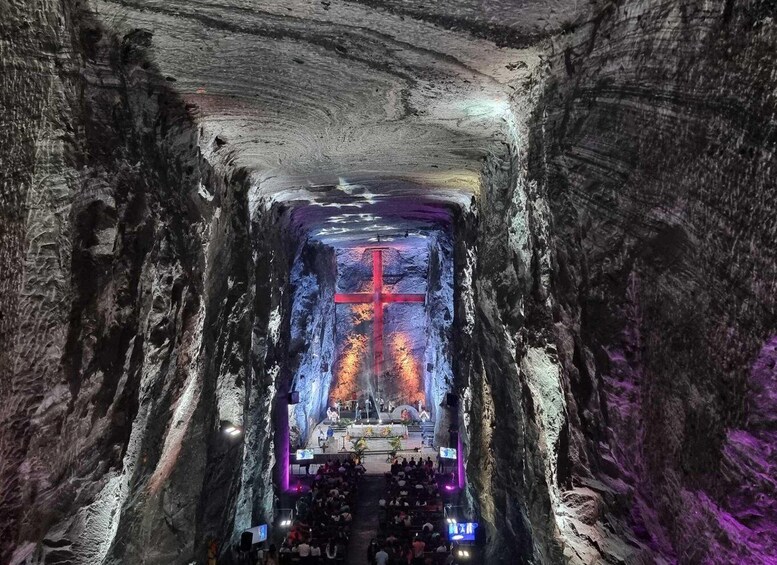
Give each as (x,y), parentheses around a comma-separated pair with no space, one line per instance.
(605,170)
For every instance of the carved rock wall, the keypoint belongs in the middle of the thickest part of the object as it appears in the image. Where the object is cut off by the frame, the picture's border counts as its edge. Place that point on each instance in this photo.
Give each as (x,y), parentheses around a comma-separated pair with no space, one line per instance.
(654,144)
(615,284)
(126,337)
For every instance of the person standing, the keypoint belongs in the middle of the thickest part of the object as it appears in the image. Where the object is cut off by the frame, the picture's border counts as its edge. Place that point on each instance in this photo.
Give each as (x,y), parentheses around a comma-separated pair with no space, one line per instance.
(372,549)
(315,553)
(418,550)
(271,557)
(330,434)
(381,557)
(213,551)
(331,551)
(303,550)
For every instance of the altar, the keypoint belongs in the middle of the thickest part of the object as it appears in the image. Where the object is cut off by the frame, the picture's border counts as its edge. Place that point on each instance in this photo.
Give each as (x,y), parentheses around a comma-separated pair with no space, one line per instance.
(377,431)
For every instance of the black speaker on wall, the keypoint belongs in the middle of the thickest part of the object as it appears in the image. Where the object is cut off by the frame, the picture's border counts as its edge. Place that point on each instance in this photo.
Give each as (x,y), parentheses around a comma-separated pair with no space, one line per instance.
(451,400)
(294,397)
(246,541)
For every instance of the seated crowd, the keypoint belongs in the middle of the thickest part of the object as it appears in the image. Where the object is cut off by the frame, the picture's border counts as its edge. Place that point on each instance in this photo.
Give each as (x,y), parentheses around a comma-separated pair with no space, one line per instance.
(323,523)
(411,517)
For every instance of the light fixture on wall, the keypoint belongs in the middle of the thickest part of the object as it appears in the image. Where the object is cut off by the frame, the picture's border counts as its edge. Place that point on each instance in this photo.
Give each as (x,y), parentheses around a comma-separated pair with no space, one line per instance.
(285,517)
(231,430)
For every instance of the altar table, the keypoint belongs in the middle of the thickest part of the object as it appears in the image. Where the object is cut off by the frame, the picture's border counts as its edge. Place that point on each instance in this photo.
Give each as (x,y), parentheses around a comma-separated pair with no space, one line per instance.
(377,431)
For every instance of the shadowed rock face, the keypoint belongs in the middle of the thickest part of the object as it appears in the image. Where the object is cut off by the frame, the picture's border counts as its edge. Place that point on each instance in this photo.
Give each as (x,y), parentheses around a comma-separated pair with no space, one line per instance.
(657,145)
(606,175)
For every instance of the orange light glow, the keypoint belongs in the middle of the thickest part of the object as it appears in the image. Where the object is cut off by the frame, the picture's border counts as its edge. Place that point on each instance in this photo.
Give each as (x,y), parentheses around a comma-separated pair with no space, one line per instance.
(406,367)
(347,384)
(361,313)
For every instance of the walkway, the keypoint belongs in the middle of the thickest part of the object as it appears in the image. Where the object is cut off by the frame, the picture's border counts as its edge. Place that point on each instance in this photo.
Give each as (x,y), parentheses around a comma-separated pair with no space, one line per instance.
(365,520)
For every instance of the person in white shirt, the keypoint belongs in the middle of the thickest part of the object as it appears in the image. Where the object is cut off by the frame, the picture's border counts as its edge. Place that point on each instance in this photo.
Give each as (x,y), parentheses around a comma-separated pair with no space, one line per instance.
(381,558)
(303,549)
(331,551)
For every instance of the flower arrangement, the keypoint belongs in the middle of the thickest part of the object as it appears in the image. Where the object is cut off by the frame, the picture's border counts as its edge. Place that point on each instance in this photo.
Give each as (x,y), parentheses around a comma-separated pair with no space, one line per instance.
(359,448)
(395,446)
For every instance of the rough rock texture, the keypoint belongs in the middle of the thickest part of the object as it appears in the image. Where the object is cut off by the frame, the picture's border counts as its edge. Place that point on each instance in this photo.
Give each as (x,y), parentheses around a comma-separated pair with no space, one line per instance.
(438,349)
(313,336)
(131,276)
(170,175)
(655,142)
(618,307)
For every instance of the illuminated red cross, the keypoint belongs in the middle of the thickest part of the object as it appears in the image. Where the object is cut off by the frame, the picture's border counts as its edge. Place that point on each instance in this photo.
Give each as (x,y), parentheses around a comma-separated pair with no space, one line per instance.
(378,299)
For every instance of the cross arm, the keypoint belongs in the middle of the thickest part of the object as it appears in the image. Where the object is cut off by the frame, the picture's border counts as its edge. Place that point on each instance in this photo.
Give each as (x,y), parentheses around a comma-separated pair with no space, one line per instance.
(356,298)
(402,297)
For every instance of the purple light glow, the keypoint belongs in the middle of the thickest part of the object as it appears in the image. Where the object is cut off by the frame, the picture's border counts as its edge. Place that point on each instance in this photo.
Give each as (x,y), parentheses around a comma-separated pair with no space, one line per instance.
(283,468)
(450,488)
(460,461)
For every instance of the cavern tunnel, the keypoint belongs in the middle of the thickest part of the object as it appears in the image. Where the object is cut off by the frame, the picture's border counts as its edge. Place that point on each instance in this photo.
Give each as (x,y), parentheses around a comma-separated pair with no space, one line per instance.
(368,282)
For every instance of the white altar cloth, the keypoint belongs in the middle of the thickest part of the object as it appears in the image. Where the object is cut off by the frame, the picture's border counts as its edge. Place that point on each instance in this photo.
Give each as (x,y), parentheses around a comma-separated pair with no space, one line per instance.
(377,430)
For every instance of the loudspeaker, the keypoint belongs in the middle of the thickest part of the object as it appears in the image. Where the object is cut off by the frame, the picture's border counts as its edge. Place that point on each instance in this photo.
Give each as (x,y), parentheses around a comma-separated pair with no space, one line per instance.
(451,400)
(294,397)
(246,541)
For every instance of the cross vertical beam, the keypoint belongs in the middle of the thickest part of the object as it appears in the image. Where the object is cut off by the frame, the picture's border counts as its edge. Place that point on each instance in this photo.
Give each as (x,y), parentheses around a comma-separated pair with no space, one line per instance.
(377,311)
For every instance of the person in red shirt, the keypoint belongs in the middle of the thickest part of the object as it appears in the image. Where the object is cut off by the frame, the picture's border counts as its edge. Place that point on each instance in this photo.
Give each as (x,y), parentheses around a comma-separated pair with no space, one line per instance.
(418,550)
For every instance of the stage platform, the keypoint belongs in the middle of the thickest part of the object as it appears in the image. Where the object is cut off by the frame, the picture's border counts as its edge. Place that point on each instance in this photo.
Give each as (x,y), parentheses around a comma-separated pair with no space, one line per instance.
(419,443)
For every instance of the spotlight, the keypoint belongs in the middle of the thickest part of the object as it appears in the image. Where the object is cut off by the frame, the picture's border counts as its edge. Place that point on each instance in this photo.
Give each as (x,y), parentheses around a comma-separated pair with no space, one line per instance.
(233,431)
(450,488)
(463,553)
(286,517)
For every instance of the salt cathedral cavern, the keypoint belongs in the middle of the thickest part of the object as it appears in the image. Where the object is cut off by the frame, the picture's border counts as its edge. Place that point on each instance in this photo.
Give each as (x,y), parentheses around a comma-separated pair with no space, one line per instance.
(382,282)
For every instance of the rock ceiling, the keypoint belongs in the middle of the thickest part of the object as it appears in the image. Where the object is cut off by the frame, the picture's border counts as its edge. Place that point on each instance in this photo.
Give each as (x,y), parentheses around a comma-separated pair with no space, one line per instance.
(347,105)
